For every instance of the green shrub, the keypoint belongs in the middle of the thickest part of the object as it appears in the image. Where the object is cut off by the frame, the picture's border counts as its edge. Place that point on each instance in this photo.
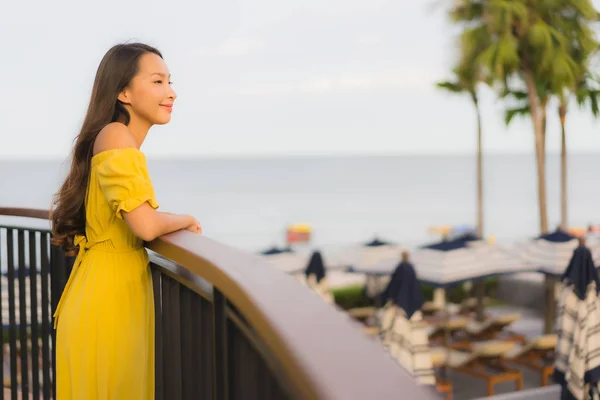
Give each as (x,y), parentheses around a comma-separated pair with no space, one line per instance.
(351,297)
(355,296)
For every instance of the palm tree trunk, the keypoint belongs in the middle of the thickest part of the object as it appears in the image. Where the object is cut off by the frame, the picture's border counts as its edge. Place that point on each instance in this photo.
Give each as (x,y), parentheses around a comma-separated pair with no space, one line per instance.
(538,116)
(480,284)
(479,173)
(562,113)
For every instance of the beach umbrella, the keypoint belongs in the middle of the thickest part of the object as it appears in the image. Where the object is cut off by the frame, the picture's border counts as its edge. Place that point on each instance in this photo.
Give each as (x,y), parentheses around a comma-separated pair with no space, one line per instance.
(577,353)
(276,250)
(285,259)
(316,267)
(409,342)
(464,258)
(550,253)
(363,257)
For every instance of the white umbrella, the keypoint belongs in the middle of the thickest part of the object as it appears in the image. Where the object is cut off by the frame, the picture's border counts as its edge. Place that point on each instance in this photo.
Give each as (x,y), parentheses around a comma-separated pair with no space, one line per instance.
(551,253)
(365,257)
(457,260)
(290,263)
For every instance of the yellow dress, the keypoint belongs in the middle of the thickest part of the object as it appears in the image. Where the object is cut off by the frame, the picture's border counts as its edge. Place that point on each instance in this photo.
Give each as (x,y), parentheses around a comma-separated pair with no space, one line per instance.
(105,318)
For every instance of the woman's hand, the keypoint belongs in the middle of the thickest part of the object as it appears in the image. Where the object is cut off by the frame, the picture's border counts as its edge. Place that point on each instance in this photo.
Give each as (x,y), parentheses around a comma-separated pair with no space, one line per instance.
(194,226)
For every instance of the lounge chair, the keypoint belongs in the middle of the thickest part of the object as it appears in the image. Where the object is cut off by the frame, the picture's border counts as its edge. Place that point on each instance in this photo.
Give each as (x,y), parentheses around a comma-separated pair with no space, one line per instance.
(536,354)
(486,360)
(439,358)
(490,329)
(438,329)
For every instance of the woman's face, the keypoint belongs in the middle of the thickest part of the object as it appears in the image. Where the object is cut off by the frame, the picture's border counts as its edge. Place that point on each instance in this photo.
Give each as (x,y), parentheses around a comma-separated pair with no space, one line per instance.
(149,96)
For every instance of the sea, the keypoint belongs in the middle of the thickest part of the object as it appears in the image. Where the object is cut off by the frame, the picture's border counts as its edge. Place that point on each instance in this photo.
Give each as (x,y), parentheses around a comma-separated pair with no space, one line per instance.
(248,202)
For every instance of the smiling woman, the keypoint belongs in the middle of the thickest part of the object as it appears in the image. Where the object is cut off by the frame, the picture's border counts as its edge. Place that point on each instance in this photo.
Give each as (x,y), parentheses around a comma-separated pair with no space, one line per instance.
(104,211)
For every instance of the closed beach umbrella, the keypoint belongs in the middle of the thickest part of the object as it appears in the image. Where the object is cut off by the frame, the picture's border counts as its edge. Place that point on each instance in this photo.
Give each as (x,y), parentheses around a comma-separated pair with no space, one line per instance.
(409,342)
(405,290)
(397,282)
(577,360)
(316,267)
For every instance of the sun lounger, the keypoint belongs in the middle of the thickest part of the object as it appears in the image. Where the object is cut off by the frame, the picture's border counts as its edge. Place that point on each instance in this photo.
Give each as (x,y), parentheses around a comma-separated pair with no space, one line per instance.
(486,360)
(490,329)
(536,354)
(452,325)
(439,358)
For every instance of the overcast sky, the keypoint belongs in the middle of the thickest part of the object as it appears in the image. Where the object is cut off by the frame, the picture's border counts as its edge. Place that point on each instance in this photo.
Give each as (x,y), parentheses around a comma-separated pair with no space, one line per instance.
(256,77)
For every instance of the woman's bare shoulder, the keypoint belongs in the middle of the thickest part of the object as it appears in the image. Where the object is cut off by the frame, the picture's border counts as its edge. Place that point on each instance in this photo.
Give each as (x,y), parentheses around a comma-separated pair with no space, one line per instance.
(114,136)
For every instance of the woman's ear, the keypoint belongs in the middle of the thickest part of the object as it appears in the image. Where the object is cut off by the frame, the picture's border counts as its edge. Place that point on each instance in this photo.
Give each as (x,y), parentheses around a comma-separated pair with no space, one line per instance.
(123,97)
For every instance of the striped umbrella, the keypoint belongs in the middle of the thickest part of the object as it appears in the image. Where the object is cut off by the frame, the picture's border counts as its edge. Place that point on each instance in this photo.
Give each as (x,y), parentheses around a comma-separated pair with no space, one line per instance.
(463,259)
(286,260)
(364,258)
(552,252)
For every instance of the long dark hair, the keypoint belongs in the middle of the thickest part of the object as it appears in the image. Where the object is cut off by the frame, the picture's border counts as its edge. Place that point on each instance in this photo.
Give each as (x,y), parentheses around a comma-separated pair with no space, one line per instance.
(116,70)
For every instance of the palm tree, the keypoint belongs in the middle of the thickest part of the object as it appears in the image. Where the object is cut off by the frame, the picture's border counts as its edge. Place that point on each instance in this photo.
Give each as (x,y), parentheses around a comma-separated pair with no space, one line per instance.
(531,42)
(466,79)
(584,92)
(521,40)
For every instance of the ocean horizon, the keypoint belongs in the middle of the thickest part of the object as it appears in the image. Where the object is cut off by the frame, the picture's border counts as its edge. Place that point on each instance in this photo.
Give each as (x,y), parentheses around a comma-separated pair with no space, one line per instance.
(247,202)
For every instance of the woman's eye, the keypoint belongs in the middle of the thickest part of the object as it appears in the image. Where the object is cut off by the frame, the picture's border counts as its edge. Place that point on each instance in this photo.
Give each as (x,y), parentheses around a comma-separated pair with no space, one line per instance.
(170,83)
(157,81)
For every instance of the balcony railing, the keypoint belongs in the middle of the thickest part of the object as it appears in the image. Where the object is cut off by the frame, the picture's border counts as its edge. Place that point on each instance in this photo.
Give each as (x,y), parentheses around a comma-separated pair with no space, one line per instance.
(228,326)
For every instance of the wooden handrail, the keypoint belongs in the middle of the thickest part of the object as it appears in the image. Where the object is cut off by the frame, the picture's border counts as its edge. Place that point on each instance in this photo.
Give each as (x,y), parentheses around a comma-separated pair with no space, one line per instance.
(323,353)
(25,212)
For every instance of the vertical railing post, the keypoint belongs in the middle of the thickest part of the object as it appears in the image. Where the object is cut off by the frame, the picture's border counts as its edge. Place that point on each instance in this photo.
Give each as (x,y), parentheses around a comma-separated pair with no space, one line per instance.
(158,337)
(59,271)
(220,345)
(46,327)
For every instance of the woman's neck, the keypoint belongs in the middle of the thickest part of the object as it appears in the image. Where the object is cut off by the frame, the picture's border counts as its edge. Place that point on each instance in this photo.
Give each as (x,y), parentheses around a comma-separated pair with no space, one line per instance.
(139,128)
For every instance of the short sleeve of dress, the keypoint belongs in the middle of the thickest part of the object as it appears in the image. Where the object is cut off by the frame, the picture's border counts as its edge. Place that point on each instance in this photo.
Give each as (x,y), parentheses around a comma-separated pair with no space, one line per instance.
(124,180)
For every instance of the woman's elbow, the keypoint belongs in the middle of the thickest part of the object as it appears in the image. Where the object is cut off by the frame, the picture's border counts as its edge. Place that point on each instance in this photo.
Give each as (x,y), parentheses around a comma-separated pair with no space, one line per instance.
(142,227)
(147,236)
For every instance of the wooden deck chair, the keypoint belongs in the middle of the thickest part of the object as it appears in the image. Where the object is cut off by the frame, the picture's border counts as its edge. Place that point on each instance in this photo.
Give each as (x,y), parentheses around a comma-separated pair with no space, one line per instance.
(468,306)
(439,359)
(490,329)
(453,325)
(536,354)
(486,361)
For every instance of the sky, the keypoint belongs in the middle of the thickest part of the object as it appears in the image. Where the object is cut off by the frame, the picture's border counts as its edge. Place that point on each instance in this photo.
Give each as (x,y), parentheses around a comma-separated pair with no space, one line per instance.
(258,78)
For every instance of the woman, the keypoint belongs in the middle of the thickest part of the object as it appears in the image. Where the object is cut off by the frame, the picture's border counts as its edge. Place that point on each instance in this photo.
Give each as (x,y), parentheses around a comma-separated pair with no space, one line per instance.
(105,209)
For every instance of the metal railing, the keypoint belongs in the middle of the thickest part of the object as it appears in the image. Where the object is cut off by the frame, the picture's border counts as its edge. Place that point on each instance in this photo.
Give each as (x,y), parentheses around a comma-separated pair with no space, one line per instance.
(227,326)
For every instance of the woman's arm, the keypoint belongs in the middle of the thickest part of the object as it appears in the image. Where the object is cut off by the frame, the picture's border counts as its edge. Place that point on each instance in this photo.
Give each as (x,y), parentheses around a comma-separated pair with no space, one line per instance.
(148,224)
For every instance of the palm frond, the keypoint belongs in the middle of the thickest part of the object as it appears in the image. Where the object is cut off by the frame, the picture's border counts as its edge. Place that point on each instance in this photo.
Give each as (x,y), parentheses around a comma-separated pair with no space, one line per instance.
(453,87)
(510,114)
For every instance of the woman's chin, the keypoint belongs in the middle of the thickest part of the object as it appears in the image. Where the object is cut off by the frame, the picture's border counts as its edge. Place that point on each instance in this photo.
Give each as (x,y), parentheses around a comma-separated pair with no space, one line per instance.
(162,120)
